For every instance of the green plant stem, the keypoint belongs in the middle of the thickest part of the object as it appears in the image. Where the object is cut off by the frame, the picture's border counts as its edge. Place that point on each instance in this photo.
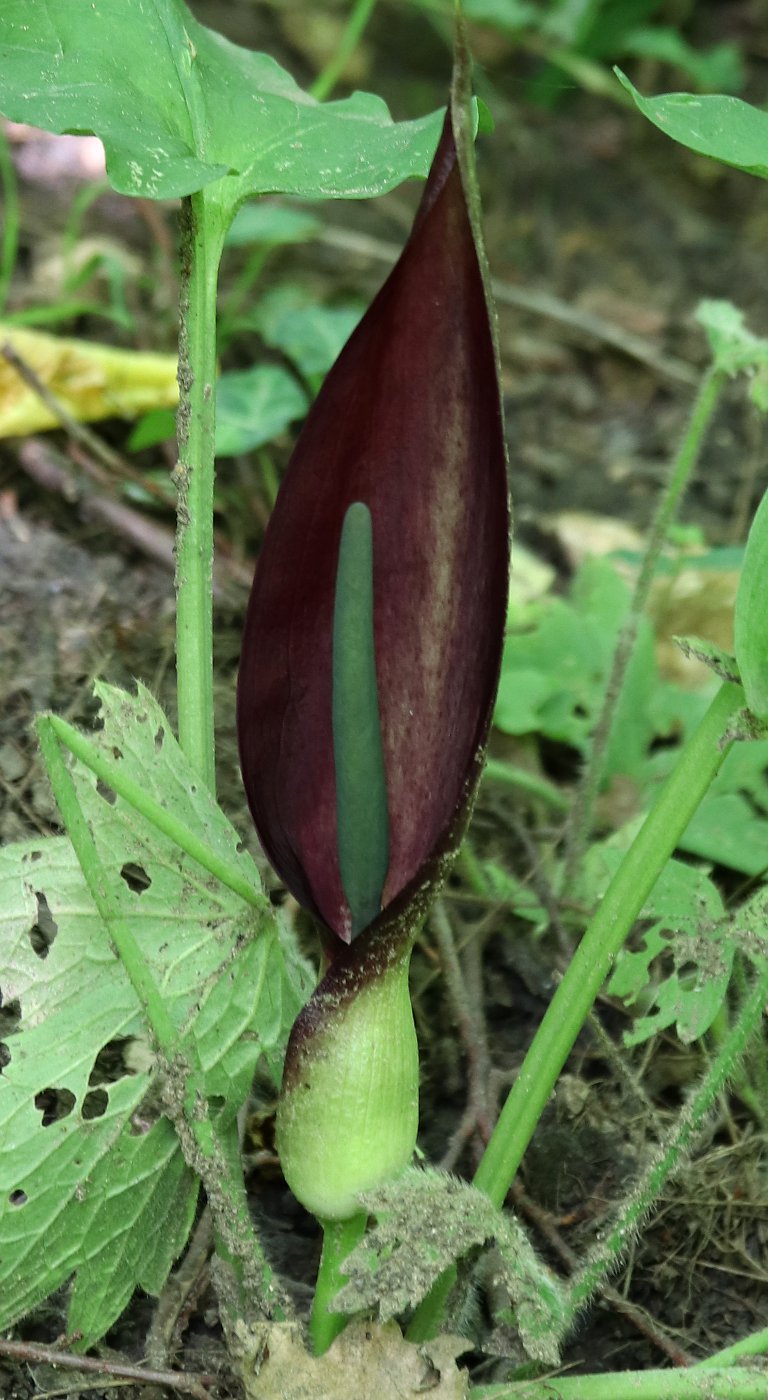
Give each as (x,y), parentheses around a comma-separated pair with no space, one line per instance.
(733,1383)
(269,476)
(64,310)
(203,226)
(580,821)
(756,1100)
(580,68)
(678,1144)
(326,81)
(612,921)
(339,1239)
(520,780)
(756,1344)
(137,797)
(606,932)
(164,1032)
(206,1151)
(11,219)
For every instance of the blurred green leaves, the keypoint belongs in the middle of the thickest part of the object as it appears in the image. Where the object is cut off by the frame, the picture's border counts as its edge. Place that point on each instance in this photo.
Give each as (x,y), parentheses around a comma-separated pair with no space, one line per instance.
(555,666)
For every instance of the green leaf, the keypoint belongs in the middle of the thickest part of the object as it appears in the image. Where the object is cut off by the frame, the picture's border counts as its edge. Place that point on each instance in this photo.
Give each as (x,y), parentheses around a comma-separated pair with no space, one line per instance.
(311,335)
(730,827)
(724,128)
(554,671)
(108,1197)
(144,1198)
(522,694)
(178,106)
(750,621)
(689,926)
(508,16)
(255,405)
(749,926)
(727,830)
(734,348)
(425,1221)
(271,224)
(721,662)
(718,67)
(518,896)
(157,426)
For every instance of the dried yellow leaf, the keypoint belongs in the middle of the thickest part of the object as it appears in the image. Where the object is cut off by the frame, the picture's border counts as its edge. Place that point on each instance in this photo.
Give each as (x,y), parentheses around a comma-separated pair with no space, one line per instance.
(90,381)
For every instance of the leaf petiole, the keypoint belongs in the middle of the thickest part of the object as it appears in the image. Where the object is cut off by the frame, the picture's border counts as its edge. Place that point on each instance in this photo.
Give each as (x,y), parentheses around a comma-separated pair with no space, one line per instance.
(205,1149)
(153,812)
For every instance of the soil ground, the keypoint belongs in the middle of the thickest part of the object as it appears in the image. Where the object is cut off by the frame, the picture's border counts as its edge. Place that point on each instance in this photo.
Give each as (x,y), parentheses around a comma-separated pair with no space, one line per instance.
(587,204)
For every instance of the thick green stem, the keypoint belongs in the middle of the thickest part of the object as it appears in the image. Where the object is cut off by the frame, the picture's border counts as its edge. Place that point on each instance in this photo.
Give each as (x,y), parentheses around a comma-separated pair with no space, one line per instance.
(339,1239)
(204,224)
(682,465)
(756,1344)
(607,930)
(732,1383)
(205,1150)
(606,1256)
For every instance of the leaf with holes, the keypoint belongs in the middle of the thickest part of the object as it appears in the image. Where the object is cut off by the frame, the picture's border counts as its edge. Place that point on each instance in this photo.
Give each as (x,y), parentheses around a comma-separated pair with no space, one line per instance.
(178,107)
(679,976)
(91,1180)
(425,1221)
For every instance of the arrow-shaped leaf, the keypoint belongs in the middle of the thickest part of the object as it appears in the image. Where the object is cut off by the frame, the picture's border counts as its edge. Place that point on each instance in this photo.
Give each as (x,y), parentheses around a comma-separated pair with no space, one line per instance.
(178,106)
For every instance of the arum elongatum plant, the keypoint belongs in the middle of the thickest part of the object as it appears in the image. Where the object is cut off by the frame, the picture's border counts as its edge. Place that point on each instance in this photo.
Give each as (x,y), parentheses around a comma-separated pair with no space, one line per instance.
(368,672)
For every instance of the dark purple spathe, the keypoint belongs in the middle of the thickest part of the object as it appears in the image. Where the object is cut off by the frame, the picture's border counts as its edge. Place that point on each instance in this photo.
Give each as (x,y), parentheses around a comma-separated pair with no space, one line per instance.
(408,421)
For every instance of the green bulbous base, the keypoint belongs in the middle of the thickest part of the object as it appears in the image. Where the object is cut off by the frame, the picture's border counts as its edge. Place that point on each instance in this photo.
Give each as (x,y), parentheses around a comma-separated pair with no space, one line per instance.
(349,1111)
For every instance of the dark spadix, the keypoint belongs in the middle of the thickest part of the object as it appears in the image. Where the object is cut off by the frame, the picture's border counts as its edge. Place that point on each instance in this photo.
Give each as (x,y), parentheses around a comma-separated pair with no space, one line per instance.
(360,803)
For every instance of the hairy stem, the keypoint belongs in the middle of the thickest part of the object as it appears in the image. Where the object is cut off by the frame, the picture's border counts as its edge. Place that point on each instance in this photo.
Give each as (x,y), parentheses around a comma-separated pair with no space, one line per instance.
(673,1151)
(732,1383)
(606,932)
(204,224)
(612,921)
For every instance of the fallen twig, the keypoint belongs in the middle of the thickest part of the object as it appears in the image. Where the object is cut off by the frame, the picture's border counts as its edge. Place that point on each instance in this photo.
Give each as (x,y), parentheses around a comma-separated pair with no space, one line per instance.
(54,472)
(636,347)
(33,1352)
